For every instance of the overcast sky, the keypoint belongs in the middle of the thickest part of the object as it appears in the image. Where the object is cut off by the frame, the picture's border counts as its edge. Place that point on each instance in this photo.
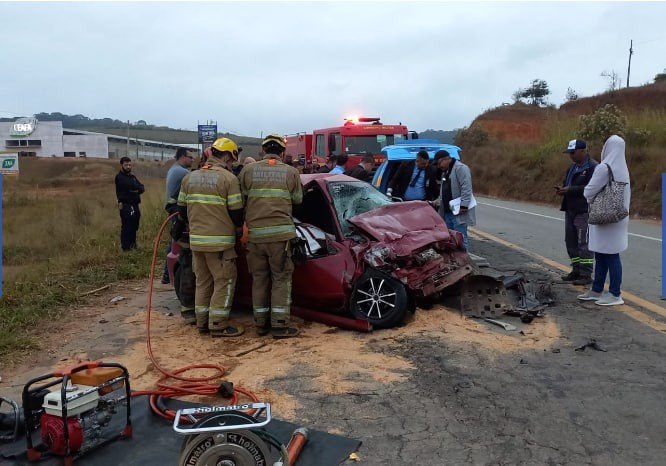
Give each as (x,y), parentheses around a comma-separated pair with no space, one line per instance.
(291,67)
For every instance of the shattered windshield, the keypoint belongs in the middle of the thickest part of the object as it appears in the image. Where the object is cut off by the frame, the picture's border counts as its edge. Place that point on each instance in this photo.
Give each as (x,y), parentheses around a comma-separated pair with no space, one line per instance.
(352,198)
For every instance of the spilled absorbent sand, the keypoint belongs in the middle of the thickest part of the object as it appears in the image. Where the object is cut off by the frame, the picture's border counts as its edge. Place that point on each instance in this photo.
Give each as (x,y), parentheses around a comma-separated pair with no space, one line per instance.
(333,361)
(325,360)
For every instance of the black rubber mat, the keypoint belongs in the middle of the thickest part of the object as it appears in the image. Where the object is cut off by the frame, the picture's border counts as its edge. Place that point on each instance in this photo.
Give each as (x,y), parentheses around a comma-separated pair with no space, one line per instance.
(154,443)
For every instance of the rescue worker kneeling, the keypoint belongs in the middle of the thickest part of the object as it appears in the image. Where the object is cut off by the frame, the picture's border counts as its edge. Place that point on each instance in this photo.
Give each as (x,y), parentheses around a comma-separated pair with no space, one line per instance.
(270,187)
(210,200)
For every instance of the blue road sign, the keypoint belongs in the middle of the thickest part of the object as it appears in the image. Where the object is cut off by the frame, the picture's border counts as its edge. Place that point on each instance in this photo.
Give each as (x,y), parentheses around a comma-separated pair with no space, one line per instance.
(207,133)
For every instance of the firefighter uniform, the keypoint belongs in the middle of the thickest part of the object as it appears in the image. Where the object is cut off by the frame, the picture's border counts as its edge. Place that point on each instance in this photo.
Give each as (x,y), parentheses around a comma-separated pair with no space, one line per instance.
(210,194)
(270,188)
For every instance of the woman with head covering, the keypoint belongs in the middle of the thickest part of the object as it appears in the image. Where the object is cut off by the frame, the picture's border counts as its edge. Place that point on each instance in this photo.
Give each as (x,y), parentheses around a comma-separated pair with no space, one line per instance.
(608,241)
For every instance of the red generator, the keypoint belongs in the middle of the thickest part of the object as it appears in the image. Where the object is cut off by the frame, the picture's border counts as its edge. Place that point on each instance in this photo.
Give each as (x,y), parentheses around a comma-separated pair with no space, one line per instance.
(80,414)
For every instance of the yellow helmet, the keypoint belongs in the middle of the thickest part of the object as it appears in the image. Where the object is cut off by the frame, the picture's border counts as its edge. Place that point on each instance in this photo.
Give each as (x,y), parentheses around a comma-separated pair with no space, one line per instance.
(275,138)
(226,145)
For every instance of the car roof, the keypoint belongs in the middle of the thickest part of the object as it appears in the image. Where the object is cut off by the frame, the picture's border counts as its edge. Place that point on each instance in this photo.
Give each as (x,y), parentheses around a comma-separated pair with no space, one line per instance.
(307,178)
(407,150)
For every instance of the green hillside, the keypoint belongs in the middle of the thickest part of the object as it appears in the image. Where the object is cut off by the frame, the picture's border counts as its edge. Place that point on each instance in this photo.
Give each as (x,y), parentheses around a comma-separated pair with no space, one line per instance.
(515,152)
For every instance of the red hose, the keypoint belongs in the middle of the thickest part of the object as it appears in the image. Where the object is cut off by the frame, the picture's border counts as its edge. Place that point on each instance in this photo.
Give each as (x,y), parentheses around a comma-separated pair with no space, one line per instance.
(184,385)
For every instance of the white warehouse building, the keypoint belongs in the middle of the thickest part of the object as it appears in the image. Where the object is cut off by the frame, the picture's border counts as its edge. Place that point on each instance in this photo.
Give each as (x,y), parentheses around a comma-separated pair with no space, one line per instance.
(32,138)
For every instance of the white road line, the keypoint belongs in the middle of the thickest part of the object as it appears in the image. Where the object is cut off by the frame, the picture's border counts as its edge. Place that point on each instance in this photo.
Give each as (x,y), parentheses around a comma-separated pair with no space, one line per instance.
(558,219)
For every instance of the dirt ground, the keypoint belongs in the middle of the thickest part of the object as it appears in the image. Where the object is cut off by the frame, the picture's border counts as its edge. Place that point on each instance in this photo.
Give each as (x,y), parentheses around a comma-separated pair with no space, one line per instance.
(439,390)
(339,361)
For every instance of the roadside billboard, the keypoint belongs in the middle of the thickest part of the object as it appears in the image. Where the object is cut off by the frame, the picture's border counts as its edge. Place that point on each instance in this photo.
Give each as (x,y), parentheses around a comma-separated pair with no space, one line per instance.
(9,163)
(207,133)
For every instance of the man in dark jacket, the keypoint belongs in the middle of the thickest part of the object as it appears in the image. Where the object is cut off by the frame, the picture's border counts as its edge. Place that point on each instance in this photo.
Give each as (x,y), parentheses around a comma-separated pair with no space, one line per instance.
(574,205)
(328,166)
(363,171)
(128,193)
(415,180)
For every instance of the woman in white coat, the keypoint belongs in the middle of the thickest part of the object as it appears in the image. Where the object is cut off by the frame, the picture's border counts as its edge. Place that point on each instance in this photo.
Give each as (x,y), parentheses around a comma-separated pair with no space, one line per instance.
(608,241)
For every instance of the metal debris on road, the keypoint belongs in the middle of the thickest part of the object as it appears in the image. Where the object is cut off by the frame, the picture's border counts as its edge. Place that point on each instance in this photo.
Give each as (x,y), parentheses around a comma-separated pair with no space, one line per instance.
(591,344)
(493,293)
(504,325)
(116,299)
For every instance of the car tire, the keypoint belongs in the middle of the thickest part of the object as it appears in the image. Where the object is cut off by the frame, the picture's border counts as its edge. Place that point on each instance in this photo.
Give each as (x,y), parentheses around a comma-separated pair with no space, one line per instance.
(380,299)
(176,281)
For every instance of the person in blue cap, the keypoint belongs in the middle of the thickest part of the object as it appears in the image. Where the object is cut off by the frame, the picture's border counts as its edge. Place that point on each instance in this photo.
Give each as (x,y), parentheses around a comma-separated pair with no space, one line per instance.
(574,206)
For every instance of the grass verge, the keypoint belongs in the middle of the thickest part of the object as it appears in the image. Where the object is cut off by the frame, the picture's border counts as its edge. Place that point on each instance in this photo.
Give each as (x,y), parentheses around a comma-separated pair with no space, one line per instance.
(62,241)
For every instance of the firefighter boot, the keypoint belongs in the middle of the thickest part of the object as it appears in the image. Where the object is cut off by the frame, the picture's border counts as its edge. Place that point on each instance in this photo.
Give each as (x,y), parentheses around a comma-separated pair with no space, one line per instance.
(280,328)
(201,317)
(262,325)
(218,324)
(262,321)
(187,313)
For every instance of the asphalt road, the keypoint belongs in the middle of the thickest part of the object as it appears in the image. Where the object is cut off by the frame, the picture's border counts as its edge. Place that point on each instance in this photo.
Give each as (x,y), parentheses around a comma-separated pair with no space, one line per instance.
(464,404)
(540,229)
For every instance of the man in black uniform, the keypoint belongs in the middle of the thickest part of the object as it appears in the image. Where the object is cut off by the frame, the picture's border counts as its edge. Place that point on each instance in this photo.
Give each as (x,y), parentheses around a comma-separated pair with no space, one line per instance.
(128,193)
(415,180)
(574,205)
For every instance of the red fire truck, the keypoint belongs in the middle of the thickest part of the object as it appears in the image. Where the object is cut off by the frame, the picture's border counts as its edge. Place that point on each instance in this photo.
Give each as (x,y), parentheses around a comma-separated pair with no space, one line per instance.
(355,138)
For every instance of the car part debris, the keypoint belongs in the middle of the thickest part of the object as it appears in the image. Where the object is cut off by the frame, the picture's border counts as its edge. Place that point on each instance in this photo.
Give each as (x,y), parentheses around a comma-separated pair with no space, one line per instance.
(591,344)
(478,261)
(484,295)
(526,318)
(504,325)
(116,299)
(491,294)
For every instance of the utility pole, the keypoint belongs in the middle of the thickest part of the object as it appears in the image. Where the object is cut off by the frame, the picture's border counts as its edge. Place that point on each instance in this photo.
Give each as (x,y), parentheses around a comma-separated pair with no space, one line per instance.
(127,148)
(631,52)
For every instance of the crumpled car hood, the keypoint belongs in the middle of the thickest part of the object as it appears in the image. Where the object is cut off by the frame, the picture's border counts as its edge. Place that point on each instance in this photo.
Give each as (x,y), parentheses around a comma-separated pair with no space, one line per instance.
(406,226)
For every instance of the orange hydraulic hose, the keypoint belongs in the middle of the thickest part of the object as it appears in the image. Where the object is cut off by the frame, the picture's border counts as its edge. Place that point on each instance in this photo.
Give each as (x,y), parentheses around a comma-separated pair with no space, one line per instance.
(298,440)
(185,385)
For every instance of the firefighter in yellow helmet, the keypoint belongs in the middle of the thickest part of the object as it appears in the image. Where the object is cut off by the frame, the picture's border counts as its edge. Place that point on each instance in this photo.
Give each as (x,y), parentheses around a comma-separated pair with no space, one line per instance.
(270,188)
(210,200)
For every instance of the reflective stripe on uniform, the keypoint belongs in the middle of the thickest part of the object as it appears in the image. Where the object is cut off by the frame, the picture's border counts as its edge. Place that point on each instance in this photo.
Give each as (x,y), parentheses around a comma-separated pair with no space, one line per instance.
(219,313)
(261,310)
(235,200)
(575,260)
(586,261)
(262,232)
(280,310)
(212,199)
(297,196)
(269,192)
(182,196)
(172,201)
(201,310)
(205,240)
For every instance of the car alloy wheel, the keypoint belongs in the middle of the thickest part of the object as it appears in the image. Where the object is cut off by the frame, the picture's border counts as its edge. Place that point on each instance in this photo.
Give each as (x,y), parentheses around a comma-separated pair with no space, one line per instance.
(380,299)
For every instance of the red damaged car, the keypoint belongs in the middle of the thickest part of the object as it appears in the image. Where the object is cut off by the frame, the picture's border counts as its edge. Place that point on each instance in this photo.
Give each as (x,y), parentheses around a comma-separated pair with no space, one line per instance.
(368,257)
